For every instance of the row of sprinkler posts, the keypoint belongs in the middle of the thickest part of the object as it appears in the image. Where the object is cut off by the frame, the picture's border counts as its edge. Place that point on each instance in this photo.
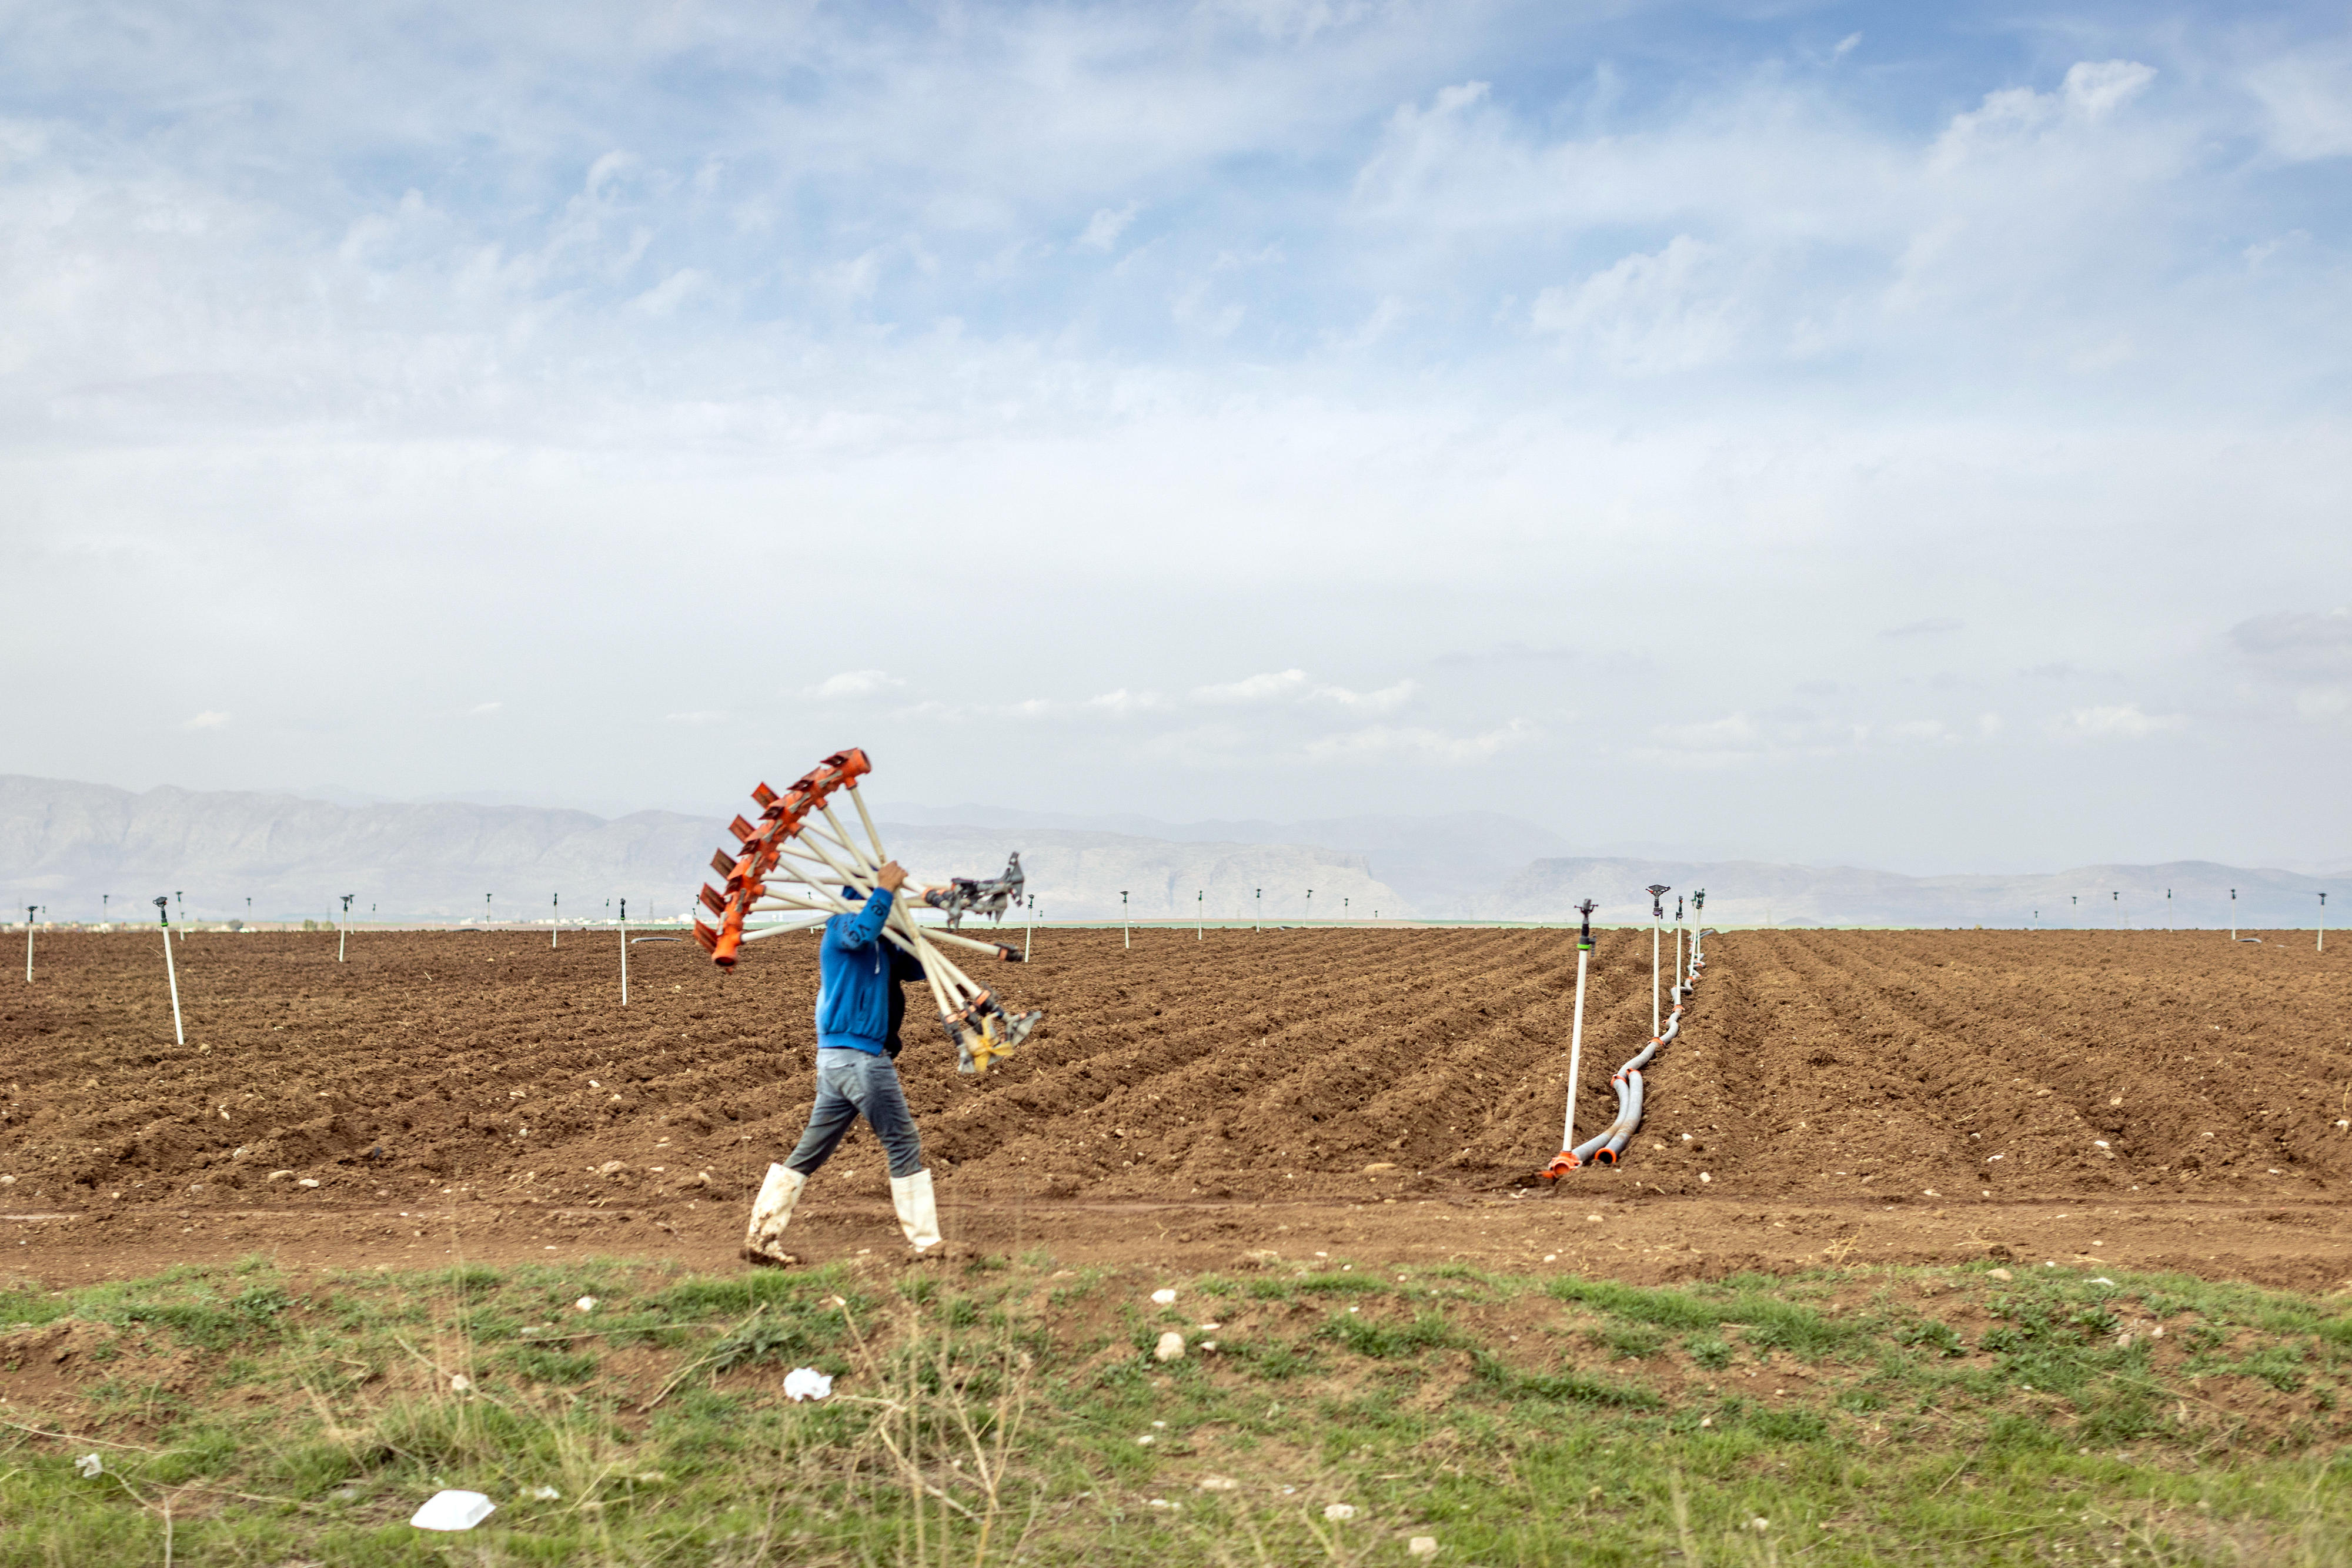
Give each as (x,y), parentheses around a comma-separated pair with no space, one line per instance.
(1583,955)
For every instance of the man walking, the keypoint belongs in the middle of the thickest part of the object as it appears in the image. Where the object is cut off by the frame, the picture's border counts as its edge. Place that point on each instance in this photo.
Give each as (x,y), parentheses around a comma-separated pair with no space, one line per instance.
(858,1010)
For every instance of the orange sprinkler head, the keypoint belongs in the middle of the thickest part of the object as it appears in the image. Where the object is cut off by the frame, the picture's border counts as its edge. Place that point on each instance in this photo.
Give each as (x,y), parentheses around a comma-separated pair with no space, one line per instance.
(1564,1163)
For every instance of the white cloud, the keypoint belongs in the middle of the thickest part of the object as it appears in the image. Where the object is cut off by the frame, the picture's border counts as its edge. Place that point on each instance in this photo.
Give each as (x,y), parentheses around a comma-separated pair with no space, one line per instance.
(1274,686)
(208,719)
(679,289)
(2122,721)
(1377,741)
(1646,314)
(2091,92)
(851,685)
(1296,686)
(1385,700)
(2307,94)
(1102,230)
(1123,704)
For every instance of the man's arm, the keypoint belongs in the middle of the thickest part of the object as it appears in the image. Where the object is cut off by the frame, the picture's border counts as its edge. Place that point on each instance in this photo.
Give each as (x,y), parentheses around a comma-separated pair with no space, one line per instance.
(867,926)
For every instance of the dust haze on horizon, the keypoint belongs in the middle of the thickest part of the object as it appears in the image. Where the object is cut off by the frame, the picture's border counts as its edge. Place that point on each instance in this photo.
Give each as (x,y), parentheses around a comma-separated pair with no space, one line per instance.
(1834,434)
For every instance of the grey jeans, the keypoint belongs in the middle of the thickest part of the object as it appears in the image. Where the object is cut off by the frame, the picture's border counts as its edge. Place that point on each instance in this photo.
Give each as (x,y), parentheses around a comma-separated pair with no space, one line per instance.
(850,1084)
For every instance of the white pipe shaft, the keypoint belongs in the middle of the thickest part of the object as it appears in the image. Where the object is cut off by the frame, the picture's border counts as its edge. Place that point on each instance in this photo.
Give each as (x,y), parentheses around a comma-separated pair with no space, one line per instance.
(624,961)
(880,856)
(781,927)
(1575,1055)
(172,976)
(1654,979)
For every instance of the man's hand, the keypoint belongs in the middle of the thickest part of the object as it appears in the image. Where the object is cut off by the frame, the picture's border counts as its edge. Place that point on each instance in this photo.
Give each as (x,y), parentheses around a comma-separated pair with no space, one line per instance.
(891,877)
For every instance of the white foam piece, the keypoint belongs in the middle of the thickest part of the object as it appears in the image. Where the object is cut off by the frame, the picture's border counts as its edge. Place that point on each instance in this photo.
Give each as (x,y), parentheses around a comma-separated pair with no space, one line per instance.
(453,1510)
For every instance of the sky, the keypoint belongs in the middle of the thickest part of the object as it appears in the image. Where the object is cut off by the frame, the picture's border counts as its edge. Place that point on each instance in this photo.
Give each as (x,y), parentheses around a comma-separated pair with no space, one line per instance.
(1910,436)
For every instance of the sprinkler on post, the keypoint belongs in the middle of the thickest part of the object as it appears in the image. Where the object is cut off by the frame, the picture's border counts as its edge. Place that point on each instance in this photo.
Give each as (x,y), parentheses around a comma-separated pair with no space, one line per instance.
(1566,1161)
(2118,897)
(2321,934)
(180,903)
(342,932)
(104,900)
(2168,909)
(1257,916)
(1125,939)
(555,937)
(1029,931)
(2233,915)
(486,912)
(1201,915)
(30,911)
(624,952)
(1678,946)
(1310,907)
(171,974)
(1657,892)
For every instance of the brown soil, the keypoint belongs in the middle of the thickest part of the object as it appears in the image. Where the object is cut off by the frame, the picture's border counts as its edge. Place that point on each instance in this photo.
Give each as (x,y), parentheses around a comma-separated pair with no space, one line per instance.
(1360,1093)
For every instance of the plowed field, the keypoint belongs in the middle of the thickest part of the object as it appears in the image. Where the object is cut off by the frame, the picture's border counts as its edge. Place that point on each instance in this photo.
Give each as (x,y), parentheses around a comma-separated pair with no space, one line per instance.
(1903,1093)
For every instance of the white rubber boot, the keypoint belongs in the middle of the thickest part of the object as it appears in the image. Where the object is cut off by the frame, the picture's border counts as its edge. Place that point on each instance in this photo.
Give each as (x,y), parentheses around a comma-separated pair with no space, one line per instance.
(919,1209)
(763,1239)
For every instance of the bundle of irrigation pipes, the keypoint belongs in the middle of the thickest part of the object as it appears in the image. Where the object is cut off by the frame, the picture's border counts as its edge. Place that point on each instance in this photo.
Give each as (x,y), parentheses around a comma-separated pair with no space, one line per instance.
(1608,1145)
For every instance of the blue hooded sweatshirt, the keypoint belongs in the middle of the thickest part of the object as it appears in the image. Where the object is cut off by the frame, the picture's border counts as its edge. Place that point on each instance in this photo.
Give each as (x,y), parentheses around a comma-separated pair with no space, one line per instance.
(853,980)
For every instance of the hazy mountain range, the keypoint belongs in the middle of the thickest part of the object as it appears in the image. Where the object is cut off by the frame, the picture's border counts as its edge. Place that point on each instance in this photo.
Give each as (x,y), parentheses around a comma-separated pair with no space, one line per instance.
(66,845)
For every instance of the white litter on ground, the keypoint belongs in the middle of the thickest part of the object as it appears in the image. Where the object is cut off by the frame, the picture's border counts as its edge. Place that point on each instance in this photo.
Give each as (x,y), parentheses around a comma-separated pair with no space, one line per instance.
(90,1465)
(806,1382)
(1164,1298)
(453,1510)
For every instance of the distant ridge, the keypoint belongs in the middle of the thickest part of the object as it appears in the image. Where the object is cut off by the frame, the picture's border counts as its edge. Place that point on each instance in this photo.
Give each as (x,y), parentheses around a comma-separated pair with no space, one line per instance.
(63,843)
(1754,892)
